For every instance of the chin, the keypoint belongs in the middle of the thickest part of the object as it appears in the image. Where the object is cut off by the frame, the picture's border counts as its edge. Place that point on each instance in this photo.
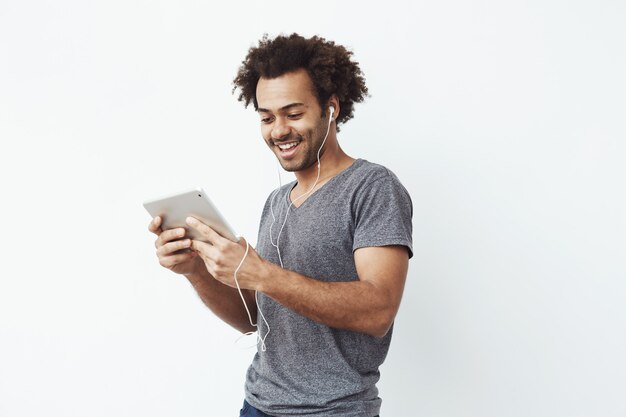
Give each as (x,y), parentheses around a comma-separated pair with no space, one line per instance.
(294,166)
(289,167)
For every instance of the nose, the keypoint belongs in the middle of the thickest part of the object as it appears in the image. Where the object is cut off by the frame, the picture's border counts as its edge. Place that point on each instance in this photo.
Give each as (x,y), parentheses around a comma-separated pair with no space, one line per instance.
(280,129)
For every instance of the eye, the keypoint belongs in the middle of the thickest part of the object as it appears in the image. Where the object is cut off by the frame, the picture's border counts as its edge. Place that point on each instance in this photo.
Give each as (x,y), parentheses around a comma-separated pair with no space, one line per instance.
(294,116)
(266,120)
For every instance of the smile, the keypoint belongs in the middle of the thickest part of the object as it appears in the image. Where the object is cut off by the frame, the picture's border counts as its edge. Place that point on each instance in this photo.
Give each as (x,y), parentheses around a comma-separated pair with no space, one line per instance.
(286,146)
(288,150)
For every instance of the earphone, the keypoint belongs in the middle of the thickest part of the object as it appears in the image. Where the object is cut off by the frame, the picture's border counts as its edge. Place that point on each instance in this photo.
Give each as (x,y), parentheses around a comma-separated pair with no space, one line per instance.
(331,108)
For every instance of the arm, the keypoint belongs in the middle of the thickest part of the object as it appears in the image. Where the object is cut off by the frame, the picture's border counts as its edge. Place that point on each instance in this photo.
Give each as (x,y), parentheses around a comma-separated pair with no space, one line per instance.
(368,305)
(224,301)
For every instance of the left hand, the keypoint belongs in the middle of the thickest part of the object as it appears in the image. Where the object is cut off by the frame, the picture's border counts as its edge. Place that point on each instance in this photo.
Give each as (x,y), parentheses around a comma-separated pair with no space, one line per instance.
(222,257)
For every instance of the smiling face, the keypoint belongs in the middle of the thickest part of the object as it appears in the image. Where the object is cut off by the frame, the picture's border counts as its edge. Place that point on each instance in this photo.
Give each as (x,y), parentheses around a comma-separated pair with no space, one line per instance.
(291,119)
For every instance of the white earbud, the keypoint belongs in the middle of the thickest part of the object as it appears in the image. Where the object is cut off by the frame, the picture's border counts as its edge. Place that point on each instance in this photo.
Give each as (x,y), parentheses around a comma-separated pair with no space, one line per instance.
(332,111)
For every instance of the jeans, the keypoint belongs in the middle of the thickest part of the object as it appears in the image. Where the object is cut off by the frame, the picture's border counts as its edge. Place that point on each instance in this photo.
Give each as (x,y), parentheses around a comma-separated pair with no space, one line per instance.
(249,411)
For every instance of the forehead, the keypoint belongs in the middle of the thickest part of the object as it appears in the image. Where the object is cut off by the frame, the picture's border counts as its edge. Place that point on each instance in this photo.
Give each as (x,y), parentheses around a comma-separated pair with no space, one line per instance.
(291,87)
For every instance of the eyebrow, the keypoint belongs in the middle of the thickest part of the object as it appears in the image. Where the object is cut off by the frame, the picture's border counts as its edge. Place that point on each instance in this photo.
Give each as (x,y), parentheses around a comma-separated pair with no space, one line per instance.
(287,107)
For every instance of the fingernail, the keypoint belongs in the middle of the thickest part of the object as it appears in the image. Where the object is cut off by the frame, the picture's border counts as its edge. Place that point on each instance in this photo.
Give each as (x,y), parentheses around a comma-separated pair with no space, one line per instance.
(191,220)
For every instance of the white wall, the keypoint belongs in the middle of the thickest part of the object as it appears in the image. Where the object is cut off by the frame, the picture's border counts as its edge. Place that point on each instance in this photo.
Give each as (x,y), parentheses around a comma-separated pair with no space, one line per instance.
(505,121)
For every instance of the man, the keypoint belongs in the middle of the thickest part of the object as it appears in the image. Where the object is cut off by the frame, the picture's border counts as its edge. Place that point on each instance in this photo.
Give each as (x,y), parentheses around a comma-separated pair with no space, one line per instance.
(333,247)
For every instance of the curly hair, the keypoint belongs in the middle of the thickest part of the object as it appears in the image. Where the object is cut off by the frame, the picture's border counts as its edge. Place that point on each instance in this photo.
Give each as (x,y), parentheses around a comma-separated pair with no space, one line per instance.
(329,66)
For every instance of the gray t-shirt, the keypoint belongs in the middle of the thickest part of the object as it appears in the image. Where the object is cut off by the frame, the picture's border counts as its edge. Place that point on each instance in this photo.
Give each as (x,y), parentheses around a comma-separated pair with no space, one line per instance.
(310,369)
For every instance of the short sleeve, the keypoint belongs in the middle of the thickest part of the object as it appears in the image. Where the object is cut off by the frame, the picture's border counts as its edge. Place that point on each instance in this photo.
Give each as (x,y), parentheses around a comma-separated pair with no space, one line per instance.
(383,215)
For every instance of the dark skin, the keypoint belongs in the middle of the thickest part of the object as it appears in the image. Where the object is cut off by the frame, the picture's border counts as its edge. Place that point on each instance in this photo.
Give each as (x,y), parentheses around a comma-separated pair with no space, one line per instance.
(290,113)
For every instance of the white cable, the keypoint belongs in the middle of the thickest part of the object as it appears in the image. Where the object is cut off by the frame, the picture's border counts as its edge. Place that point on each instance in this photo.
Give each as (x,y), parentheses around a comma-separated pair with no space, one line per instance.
(237,282)
(280,181)
(276,245)
(330,120)
(259,338)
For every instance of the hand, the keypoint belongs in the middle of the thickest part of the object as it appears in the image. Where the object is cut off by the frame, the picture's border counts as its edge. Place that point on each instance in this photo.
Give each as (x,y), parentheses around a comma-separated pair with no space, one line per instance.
(168,243)
(221,257)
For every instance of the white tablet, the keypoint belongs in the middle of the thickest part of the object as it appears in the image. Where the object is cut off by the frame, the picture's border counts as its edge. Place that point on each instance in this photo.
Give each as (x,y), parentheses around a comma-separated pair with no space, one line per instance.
(175,208)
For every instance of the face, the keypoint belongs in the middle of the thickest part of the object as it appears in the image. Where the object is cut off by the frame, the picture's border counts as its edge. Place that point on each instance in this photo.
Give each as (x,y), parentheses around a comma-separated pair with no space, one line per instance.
(291,119)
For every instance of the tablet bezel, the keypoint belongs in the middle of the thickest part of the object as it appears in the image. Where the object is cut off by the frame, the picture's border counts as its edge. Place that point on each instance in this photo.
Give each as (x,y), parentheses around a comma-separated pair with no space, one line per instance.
(175,208)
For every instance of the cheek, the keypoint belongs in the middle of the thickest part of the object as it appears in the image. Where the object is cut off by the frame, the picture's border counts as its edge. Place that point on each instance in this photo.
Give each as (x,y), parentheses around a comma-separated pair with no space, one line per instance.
(301,128)
(265,132)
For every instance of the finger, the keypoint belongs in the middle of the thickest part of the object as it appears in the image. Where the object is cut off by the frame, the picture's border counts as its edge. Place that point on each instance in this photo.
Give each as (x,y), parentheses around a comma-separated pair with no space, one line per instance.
(155,226)
(205,252)
(209,265)
(169,235)
(171,261)
(209,234)
(171,247)
(205,249)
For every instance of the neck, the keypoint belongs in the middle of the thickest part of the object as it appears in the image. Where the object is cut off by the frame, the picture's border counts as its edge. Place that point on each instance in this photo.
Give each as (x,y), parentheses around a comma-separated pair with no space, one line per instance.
(333,161)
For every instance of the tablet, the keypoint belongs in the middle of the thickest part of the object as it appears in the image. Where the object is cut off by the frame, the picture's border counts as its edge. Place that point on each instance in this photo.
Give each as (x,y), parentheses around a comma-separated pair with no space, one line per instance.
(175,208)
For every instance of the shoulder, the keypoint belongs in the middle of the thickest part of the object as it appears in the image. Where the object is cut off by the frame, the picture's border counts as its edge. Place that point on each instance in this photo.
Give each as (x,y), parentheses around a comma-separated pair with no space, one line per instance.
(367,175)
(382,209)
(277,195)
(282,191)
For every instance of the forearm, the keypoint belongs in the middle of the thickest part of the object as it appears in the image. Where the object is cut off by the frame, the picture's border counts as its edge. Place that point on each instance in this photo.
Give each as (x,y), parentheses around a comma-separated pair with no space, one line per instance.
(355,305)
(224,301)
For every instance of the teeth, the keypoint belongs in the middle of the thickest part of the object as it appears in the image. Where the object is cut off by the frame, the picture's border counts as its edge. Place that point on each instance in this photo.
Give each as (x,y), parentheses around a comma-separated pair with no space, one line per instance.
(287,146)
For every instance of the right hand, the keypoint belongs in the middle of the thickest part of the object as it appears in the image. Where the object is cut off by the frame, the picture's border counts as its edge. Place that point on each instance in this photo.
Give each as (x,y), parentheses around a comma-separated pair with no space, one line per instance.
(170,241)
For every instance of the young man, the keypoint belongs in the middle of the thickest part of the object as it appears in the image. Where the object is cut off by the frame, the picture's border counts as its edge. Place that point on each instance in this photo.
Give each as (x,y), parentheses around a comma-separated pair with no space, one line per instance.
(333,246)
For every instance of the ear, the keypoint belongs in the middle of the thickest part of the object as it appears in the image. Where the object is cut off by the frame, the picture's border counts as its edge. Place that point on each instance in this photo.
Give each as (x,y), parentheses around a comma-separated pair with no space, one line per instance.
(333,102)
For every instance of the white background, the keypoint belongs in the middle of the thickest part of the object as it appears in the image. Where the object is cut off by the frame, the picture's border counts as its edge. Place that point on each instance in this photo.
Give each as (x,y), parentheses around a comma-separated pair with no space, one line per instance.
(504,120)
